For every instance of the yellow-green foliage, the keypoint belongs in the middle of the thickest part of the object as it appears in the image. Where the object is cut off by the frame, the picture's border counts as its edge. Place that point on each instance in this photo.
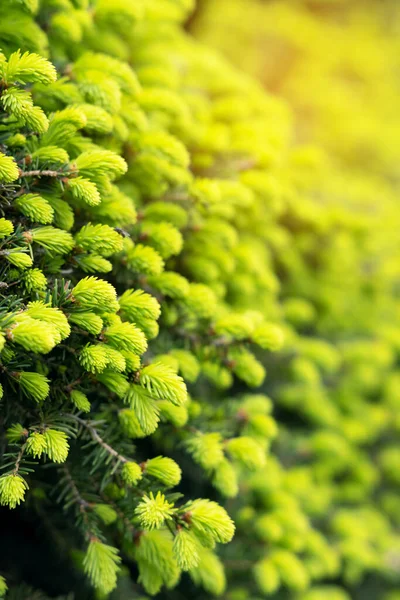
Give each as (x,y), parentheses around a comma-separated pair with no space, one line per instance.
(336,248)
(198,289)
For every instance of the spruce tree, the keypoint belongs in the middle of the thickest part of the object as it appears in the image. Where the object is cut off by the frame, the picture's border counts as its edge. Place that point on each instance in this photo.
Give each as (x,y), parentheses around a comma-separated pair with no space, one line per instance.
(162,251)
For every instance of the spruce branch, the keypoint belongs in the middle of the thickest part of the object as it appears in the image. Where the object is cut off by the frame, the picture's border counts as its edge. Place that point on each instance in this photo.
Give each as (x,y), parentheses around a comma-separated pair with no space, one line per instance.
(41,173)
(124,518)
(83,504)
(19,458)
(97,438)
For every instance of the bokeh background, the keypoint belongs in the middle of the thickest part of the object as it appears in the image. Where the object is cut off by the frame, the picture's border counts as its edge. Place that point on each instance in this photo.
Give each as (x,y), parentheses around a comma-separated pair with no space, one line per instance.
(335,64)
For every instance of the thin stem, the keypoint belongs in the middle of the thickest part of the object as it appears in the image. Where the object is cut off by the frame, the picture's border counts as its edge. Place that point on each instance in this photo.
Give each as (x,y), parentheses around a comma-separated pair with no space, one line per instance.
(39,173)
(74,489)
(97,438)
(168,524)
(71,385)
(19,458)
(68,348)
(84,506)
(13,283)
(176,197)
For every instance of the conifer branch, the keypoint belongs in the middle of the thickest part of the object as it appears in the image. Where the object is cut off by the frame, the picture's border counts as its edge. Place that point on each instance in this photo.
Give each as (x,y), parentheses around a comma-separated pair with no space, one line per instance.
(81,503)
(41,173)
(97,438)
(74,489)
(127,523)
(19,458)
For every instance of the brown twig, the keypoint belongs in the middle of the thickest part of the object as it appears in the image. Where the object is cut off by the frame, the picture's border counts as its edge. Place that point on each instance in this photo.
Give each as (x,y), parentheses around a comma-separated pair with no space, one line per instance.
(97,438)
(19,458)
(39,173)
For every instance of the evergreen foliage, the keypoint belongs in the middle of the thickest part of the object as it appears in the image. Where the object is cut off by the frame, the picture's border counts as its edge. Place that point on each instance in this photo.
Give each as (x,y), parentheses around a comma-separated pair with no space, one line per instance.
(165,248)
